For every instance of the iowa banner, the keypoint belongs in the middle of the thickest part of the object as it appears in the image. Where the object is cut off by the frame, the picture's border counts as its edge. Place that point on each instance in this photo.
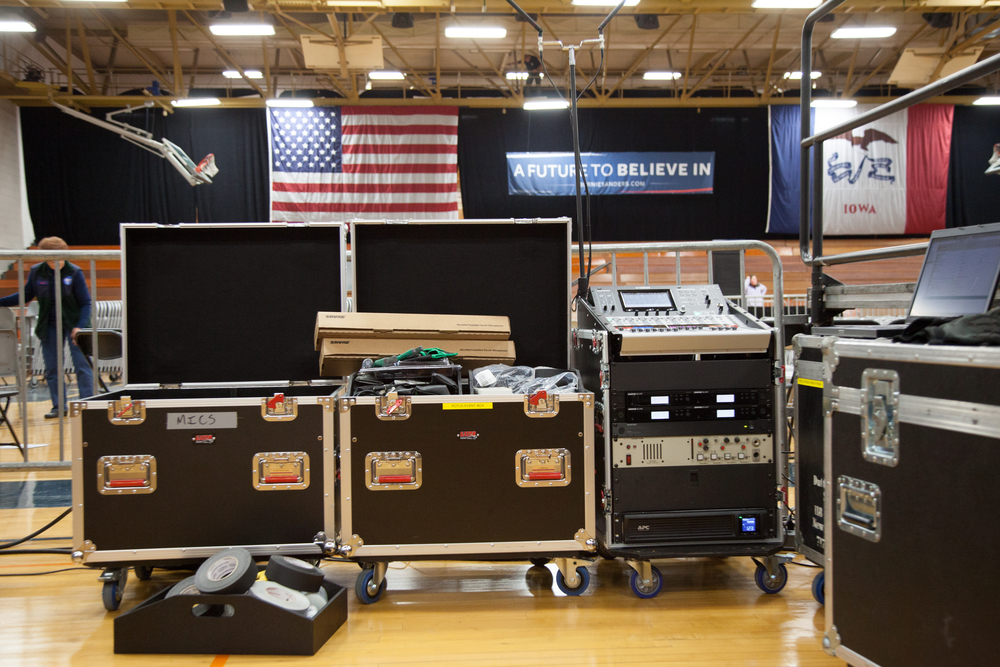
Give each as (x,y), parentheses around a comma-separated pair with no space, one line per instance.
(888,177)
(340,163)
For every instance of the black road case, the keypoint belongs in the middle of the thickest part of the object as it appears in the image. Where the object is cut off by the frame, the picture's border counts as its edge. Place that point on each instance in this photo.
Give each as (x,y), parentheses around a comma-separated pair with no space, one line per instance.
(474,477)
(810,482)
(220,437)
(912,449)
(688,414)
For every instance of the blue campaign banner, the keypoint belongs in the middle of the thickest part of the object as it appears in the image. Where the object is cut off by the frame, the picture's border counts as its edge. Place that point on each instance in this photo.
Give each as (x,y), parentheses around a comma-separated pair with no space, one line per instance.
(553,174)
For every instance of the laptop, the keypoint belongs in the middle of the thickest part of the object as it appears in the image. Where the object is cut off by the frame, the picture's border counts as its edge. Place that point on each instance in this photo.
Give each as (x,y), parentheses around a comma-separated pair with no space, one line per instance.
(958,277)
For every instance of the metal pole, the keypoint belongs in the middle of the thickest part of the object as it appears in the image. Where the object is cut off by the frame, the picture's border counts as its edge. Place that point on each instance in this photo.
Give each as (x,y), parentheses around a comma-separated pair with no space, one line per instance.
(60,378)
(23,366)
(95,353)
(805,103)
(578,161)
(817,308)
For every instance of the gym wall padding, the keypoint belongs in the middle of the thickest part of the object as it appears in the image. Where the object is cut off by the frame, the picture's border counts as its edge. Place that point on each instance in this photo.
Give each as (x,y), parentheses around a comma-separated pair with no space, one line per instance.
(83,180)
(739,137)
(973,197)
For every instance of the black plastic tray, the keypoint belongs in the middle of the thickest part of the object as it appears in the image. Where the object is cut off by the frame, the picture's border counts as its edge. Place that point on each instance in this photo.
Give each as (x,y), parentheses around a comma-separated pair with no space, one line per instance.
(168,625)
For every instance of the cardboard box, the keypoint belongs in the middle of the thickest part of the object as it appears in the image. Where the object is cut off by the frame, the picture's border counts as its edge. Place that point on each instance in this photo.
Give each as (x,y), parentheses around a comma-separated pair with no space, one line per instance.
(402,325)
(344,356)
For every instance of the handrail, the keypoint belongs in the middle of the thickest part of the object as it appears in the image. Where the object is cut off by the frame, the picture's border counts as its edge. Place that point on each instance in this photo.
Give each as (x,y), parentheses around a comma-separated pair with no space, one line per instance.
(805,102)
(971,73)
(909,250)
(811,198)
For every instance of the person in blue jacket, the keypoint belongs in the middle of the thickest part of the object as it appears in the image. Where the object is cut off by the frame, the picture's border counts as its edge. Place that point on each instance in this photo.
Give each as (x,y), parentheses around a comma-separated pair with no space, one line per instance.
(76,308)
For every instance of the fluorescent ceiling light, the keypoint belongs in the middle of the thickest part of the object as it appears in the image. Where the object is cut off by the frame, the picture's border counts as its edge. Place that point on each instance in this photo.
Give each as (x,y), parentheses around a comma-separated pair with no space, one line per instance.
(16,26)
(289,102)
(355,3)
(545,105)
(987,100)
(864,33)
(230,29)
(459,32)
(834,104)
(197,102)
(603,3)
(661,76)
(96,0)
(797,76)
(250,73)
(785,4)
(385,75)
(522,76)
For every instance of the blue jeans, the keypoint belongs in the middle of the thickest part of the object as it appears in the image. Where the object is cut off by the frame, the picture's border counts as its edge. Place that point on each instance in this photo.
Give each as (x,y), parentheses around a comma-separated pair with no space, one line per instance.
(84,375)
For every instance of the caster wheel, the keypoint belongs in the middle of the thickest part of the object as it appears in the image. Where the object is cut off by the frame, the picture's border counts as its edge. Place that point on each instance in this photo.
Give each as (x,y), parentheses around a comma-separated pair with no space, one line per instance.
(112,595)
(646,592)
(581,587)
(143,572)
(362,587)
(769,584)
(819,587)
(539,562)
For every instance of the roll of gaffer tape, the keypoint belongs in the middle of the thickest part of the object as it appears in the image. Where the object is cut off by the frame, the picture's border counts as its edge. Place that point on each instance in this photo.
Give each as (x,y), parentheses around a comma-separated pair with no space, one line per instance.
(228,572)
(295,574)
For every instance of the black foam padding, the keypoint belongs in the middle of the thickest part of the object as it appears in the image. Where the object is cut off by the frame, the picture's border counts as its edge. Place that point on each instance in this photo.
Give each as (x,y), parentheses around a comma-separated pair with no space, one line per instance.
(294,573)
(233,304)
(227,572)
(472,268)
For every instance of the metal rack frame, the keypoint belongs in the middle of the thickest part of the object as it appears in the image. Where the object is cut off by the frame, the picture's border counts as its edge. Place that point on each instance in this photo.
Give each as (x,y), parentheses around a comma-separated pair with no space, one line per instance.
(813,256)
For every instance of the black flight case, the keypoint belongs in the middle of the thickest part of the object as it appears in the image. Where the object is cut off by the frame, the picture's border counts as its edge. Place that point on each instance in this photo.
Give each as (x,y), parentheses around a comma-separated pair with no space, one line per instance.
(809,479)
(221,436)
(470,477)
(912,449)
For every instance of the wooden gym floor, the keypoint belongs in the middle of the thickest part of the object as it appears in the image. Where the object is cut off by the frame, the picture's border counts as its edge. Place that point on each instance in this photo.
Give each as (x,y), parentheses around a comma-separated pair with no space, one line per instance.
(709,614)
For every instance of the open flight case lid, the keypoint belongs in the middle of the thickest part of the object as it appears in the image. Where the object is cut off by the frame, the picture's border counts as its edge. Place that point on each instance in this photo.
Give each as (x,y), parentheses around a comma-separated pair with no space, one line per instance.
(520,268)
(227,303)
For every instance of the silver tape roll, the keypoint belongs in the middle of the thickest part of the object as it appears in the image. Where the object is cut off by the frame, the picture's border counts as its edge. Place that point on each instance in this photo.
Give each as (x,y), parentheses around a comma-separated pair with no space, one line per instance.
(279,595)
(317,600)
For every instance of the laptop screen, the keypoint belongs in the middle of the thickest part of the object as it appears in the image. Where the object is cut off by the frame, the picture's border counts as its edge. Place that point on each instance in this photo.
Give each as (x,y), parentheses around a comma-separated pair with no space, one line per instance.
(959,274)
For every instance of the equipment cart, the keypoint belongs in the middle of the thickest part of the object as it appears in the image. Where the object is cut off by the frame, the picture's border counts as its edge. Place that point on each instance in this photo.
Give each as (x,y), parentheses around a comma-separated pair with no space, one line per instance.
(221,436)
(468,477)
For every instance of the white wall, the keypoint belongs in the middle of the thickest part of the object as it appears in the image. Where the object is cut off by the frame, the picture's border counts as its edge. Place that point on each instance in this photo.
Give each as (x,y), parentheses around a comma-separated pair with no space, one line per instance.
(16,230)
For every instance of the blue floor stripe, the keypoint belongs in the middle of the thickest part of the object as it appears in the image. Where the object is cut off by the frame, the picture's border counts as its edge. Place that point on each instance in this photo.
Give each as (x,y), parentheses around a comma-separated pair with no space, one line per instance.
(35,493)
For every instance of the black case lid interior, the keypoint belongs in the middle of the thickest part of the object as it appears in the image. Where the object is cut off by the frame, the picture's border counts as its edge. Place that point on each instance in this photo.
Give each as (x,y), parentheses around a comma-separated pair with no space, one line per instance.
(470,268)
(227,303)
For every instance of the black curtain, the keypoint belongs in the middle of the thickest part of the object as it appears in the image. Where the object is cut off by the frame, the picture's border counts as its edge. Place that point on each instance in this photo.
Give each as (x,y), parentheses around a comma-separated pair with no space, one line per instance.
(83,180)
(973,197)
(737,209)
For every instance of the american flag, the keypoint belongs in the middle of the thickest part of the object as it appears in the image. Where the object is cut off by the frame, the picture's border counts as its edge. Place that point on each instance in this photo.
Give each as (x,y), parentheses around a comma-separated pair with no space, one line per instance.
(339,163)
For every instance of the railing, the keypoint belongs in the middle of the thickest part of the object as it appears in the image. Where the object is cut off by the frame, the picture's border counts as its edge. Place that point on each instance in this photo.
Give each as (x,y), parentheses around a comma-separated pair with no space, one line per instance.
(814,142)
(79,257)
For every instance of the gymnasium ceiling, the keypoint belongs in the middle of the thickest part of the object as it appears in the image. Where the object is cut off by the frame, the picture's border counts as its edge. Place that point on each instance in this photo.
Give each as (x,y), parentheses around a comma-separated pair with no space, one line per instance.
(727,53)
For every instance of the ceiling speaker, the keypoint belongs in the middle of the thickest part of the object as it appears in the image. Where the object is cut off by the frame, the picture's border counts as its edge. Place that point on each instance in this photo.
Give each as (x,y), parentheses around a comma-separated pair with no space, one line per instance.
(402,20)
(647,21)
